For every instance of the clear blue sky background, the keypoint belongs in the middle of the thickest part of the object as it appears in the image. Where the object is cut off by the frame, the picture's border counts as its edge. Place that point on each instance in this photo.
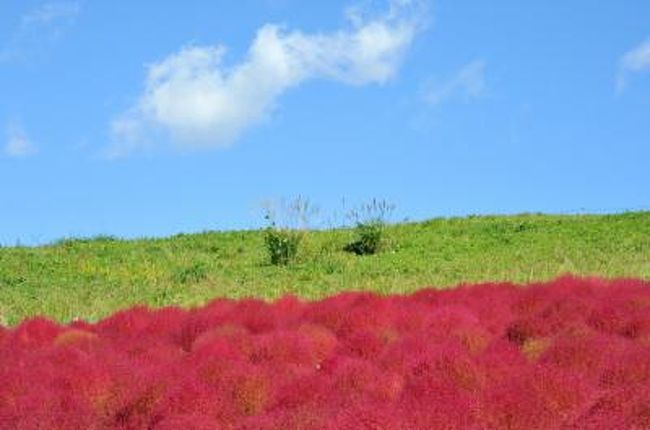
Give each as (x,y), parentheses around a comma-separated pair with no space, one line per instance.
(482,108)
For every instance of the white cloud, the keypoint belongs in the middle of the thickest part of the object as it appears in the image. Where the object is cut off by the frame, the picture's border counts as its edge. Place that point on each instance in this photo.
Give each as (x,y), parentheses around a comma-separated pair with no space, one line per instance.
(18,144)
(40,27)
(635,60)
(467,84)
(58,13)
(200,102)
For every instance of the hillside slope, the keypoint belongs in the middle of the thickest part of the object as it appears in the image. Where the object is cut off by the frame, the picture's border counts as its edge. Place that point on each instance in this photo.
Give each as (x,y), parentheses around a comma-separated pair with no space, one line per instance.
(91,278)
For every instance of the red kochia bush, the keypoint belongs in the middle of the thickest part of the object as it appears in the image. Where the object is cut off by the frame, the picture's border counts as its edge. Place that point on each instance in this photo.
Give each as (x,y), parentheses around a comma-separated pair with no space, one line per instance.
(569,354)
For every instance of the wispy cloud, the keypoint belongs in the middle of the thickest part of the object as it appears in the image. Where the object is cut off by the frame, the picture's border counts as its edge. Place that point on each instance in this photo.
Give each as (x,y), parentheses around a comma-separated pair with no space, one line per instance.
(18,144)
(466,84)
(40,26)
(201,103)
(53,13)
(636,60)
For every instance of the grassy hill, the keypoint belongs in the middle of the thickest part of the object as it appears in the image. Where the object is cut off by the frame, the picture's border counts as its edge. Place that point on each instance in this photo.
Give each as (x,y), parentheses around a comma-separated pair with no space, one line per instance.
(91,278)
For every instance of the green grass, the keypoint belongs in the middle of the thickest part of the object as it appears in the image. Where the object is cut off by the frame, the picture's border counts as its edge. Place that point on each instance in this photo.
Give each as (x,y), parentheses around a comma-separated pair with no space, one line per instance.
(91,278)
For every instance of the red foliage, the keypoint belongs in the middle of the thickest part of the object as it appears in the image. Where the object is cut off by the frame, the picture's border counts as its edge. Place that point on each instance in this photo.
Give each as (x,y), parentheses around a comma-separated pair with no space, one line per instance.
(569,354)
(187,422)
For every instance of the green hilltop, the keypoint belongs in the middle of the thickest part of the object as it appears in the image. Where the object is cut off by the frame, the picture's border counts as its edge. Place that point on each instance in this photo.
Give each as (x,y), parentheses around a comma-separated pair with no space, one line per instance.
(92,278)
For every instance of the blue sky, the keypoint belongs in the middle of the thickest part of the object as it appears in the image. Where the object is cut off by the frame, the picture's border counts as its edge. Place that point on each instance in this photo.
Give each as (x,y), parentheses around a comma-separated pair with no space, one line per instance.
(151,118)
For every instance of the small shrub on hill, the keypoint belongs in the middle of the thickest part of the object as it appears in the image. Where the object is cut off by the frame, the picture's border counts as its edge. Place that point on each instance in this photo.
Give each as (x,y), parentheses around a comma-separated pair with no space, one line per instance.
(370,224)
(281,245)
(286,229)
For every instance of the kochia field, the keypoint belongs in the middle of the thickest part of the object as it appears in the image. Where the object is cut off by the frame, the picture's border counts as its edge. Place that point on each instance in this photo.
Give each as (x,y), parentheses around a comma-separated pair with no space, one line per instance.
(570,354)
